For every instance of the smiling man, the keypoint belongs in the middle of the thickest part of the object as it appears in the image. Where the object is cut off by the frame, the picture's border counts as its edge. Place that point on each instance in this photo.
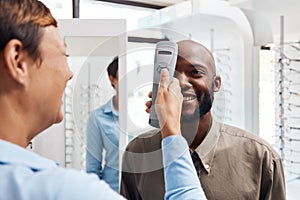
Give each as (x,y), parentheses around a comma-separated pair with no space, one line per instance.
(230,163)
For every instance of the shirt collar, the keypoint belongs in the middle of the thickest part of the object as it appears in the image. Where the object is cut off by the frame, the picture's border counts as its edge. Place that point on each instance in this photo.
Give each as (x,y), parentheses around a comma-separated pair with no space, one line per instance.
(13,154)
(109,108)
(206,150)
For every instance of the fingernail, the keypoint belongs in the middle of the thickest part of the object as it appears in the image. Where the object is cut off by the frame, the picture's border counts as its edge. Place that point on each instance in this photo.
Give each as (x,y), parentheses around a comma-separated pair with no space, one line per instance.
(164,70)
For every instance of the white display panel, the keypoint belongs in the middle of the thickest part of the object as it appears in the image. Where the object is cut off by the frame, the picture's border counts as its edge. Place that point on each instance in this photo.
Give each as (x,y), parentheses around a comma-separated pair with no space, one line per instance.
(91,45)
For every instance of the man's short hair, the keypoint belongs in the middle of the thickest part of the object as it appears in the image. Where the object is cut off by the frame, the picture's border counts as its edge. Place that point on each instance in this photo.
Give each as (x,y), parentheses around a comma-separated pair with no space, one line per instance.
(23,20)
(113,67)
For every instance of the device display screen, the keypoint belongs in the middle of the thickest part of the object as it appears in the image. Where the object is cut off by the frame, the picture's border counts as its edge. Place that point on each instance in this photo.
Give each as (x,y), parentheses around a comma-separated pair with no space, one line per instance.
(165,52)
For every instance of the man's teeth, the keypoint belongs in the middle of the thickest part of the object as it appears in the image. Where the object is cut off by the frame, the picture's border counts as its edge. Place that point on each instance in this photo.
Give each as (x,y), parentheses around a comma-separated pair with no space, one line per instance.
(189,98)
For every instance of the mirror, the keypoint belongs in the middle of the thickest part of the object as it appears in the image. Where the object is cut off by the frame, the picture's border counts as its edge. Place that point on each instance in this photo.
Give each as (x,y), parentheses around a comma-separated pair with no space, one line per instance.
(88,90)
(95,137)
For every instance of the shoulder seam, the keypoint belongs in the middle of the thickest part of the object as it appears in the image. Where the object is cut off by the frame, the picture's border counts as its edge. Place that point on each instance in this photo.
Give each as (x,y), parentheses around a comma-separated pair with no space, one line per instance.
(254,139)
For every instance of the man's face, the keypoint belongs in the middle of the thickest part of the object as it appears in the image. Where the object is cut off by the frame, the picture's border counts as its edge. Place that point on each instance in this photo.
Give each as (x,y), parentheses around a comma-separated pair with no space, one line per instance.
(195,71)
(50,76)
(114,81)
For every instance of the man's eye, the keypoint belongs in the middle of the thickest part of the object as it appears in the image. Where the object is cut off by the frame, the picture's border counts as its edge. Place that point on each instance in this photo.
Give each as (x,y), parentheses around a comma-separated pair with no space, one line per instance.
(67,55)
(197,72)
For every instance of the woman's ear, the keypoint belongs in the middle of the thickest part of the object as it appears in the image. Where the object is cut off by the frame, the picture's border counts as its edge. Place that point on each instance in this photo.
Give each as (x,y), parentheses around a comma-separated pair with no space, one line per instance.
(16,61)
(217,83)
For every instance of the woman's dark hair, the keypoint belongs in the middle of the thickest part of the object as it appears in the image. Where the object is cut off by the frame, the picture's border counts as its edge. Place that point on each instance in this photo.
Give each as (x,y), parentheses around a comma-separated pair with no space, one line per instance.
(23,20)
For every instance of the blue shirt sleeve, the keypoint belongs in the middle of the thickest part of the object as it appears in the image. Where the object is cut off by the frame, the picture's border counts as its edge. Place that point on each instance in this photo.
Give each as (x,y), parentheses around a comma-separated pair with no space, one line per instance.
(88,187)
(181,180)
(56,183)
(94,147)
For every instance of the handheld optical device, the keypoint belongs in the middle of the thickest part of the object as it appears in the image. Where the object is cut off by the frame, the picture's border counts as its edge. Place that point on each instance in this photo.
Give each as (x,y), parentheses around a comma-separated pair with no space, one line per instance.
(165,57)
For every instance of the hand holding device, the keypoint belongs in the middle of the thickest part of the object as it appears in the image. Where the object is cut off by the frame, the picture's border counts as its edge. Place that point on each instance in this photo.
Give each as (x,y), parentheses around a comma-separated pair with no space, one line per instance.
(165,57)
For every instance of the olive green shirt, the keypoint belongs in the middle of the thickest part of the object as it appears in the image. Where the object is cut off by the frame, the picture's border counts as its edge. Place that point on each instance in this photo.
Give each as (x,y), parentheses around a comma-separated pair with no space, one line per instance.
(231,164)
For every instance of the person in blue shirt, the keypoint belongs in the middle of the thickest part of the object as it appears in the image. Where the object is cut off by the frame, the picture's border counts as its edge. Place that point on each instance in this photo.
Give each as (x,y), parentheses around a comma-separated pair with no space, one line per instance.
(33,75)
(103,135)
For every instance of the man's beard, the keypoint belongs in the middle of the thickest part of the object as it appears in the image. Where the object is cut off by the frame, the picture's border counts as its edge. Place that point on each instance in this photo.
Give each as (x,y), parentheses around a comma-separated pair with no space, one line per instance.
(203,108)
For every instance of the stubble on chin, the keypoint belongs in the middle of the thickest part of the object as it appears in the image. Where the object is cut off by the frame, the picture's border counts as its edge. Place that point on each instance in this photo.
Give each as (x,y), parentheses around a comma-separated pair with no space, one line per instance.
(204,106)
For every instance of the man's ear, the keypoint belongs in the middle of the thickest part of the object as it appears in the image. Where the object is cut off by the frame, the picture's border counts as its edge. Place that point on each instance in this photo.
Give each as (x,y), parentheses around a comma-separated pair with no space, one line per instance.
(217,83)
(16,61)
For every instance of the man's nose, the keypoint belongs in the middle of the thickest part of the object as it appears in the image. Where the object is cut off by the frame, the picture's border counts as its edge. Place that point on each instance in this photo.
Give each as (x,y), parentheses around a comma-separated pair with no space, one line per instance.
(183,79)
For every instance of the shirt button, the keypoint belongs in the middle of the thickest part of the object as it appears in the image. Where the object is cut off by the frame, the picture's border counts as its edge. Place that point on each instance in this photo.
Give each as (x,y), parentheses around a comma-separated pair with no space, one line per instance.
(206,166)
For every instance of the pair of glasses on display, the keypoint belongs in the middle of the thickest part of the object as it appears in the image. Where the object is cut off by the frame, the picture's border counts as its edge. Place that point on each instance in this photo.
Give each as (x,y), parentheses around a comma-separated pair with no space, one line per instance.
(288,112)
(290,77)
(286,61)
(222,55)
(287,129)
(290,151)
(288,81)
(69,109)
(225,76)
(89,91)
(290,163)
(288,140)
(222,118)
(68,90)
(222,99)
(290,106)
(295,176)
(68,106)
(89,87)
(223,66)
(289,71)
(222,109)
(89,95)
(288,94)
(291,123)
(226,84)
(224,92)
(287,47)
